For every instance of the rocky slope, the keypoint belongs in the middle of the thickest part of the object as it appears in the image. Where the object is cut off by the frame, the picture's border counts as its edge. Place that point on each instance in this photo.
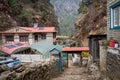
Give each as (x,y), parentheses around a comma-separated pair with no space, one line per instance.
(26,13)
(91,21)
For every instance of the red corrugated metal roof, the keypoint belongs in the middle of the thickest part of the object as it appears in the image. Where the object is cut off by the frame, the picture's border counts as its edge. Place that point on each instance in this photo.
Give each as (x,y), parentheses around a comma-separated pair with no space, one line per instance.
(9,48)
(70,49)
(45,29)
(35,30)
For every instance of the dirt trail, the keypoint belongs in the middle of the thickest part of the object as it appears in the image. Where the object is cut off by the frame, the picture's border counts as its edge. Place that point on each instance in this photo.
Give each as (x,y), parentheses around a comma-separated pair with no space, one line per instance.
(77,73)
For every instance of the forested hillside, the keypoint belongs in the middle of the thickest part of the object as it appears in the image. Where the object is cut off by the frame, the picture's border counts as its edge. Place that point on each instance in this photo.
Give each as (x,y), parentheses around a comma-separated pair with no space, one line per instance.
(26,13)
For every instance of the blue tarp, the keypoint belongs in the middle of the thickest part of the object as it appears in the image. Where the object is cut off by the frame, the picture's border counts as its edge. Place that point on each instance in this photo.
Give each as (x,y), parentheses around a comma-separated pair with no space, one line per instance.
(12,64)
(6,61)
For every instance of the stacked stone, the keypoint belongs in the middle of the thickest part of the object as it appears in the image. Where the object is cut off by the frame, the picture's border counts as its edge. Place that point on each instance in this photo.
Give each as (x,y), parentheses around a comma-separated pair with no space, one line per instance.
(113,66)
(44,70)
(54,69)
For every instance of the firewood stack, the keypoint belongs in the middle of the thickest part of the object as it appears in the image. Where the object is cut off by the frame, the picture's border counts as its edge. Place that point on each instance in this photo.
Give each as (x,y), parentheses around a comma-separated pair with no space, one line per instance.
(44,70)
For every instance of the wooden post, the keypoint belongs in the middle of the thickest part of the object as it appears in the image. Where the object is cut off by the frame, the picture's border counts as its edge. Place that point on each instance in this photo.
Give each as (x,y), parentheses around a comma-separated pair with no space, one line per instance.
(81,59)
(67,59)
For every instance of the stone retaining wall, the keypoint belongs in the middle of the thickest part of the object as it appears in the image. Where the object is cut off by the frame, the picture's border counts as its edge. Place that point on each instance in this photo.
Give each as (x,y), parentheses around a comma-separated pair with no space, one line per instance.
(113,64)
(44,70)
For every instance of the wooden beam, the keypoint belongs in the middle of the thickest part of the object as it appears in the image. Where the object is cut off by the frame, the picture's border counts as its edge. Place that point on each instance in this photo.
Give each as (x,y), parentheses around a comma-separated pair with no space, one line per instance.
(67,60)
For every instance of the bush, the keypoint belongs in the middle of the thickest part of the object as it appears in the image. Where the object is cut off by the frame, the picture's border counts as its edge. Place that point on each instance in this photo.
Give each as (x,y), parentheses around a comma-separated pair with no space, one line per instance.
(24,16)
(83,8)
(14,6)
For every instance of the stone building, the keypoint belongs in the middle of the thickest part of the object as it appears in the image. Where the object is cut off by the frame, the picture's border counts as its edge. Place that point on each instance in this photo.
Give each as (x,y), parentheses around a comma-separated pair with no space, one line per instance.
(113,22)
(28,35)
(113,31)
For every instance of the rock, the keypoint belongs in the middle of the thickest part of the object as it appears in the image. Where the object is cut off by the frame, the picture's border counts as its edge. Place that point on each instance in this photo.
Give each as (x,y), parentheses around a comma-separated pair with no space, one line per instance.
(92,68)
(33,71)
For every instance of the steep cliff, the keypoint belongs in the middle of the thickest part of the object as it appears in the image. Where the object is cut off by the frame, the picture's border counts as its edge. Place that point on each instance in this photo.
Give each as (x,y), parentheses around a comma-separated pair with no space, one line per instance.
(26,13)
(92,19)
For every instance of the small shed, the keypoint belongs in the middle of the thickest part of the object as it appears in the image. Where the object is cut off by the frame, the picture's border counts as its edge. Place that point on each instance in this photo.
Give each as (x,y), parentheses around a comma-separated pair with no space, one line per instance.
(74,50)
(56,52)
(94,45)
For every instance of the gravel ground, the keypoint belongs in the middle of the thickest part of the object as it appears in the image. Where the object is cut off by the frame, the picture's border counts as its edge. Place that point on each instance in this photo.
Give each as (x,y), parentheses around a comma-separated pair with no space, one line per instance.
(77,73)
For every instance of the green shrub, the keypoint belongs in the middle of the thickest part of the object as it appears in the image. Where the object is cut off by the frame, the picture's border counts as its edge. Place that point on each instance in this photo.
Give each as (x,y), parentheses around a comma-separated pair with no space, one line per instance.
(83,8)
(14,6)
(24,16)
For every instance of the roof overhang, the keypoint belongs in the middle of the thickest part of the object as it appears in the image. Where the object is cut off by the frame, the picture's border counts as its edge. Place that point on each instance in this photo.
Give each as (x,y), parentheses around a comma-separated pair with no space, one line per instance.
(75,49)
(97,35)
(54,51)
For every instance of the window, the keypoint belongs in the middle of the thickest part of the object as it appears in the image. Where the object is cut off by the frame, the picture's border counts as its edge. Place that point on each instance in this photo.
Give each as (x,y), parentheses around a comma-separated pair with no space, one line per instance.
(54,35)
(9,38)
(23,38)
(36,37)
(43,36)
(115,16)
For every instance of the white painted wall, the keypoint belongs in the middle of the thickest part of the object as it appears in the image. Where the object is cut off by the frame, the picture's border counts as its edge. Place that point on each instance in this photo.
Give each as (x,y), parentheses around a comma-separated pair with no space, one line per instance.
(28,57)
(16,38)
(3,39)
(31,38)
(49,36)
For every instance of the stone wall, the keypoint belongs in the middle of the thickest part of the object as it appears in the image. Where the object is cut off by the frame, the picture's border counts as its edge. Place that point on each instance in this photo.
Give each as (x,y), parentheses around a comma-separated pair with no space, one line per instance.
(44,70)
(113,55)
(110,32)
(113,64)
(103,54)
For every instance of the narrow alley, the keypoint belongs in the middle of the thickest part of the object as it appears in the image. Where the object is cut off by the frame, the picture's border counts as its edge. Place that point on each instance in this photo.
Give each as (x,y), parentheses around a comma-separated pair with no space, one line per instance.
(77,73)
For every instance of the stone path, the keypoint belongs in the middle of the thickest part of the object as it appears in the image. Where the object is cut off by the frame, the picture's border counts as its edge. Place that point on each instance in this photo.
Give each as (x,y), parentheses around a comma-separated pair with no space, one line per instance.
(76,73)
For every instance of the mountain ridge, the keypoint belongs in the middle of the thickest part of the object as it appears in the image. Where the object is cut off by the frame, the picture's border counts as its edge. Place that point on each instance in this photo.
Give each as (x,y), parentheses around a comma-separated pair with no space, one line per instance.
(67,12)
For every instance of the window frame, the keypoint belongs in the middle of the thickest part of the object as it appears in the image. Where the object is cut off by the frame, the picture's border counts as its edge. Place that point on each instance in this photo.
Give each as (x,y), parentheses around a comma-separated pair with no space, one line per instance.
(23,38)
(112,27)
(43,36)
(9,38)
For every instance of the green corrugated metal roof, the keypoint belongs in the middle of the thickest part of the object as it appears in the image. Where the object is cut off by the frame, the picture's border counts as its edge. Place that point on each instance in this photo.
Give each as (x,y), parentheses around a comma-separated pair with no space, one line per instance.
(58,47)
(43,46)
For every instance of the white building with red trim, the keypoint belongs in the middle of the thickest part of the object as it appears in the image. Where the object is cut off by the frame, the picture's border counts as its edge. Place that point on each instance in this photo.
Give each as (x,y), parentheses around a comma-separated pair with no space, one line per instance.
(16,42)
(28,34)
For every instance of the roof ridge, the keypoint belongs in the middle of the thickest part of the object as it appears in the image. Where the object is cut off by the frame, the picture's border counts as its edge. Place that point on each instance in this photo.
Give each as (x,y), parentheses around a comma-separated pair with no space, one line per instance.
(24,28)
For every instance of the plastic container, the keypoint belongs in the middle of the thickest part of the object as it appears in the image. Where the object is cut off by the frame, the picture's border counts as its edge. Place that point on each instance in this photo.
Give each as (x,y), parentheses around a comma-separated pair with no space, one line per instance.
(116,45)
(112,43)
